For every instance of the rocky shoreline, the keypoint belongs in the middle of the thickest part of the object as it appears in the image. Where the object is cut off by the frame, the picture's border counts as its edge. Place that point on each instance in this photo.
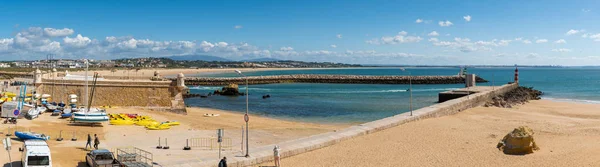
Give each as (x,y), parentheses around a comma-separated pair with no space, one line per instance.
(313,78)
(517,96)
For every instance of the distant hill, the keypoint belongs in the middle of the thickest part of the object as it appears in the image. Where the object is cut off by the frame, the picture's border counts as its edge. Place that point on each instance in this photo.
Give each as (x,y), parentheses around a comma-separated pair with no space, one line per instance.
(260,60)
(198,57)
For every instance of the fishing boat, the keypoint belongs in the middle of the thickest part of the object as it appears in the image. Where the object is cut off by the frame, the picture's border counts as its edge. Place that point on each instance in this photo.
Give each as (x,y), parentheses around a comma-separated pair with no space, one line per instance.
(31,135)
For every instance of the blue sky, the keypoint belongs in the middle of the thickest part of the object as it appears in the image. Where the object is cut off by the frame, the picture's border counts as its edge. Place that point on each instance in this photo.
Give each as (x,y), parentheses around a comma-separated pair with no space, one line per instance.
(371,32)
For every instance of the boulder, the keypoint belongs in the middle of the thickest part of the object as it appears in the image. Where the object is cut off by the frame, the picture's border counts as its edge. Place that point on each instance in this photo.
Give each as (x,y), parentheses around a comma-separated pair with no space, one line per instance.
(518,142)
(230,90)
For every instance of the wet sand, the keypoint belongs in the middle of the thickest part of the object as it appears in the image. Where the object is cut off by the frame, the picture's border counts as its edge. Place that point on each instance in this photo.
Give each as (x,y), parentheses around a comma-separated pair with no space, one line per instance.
(567,134)
(68,153)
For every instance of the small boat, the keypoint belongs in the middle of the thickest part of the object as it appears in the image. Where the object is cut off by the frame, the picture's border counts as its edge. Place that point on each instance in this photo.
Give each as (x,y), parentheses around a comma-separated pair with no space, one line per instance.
(158,127)
(90,119)
(66,113)
(171,123)
(92,112)
(33,113)
(31,135)
(56,112)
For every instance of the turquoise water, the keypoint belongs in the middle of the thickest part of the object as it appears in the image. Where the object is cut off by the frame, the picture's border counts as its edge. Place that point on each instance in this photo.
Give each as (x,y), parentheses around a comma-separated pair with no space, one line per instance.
(343,103)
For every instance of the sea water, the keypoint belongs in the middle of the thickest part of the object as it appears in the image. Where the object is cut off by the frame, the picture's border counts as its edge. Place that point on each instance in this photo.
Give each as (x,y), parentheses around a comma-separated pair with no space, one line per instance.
(354,103)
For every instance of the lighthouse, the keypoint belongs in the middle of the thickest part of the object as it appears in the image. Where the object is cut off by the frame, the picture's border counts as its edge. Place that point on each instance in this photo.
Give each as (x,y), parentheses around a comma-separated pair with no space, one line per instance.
(516,74)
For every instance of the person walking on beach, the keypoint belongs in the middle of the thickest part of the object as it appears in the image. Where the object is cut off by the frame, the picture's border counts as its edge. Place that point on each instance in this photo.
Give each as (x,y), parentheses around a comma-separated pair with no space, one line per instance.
(89,142)
(276,155)
(223,162)
(96,141)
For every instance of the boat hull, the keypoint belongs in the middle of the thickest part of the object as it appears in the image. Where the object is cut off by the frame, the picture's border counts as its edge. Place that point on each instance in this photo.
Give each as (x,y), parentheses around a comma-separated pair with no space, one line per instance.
(28,136)
(90,119)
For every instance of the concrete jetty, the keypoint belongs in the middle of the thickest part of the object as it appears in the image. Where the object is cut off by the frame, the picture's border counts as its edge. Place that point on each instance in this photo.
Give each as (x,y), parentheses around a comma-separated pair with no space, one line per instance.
(316,78)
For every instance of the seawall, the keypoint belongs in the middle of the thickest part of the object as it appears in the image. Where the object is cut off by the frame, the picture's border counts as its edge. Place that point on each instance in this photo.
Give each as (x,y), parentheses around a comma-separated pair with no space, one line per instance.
(306,144)
(162,95)
(314,78)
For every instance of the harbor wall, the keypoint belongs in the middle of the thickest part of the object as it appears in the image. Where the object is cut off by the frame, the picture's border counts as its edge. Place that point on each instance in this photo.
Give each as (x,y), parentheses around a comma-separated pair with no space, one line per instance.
(315,78)
(163,95)
(302,145)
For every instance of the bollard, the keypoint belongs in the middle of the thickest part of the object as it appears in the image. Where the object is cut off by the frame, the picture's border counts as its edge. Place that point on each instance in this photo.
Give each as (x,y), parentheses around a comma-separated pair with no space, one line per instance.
(74,137)
(59,136)
(187,145)
(8,132)
(159,147)
(166,144)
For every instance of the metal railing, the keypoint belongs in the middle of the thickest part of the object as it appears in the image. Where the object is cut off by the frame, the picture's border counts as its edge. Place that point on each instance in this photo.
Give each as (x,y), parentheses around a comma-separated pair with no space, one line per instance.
(134,157)
(210,143)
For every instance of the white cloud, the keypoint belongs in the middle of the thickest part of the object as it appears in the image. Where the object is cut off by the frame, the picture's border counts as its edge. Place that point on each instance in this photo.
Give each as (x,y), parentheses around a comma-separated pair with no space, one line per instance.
(541,41)
(238,27)
(467,18)
(286,48)
(433,34)
(400,38)
(595,37)
(526,41)
(333,46)
(418,21)
(433,40)
(79,41)
(585,35)
(339,36)
(518,39)
(51,32)
(445,23)
(561,50)
(560,41)
(532,55)
(586,10)
(463,45)
(573,32)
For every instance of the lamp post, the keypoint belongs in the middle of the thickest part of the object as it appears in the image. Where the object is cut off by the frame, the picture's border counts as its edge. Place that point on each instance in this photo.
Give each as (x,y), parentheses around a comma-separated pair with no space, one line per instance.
(246,115)
(409,90)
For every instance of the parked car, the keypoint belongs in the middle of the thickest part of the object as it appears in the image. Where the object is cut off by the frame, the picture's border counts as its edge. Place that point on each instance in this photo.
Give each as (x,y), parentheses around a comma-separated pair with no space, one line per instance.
(101,158)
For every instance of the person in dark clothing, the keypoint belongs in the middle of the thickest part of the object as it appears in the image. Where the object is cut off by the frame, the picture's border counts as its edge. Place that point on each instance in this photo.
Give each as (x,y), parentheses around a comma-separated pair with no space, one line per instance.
(89,142)
(96,141)
(223,162)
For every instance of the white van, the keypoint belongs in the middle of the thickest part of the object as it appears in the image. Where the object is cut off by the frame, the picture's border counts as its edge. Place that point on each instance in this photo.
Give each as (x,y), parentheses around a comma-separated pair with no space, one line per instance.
(35,154)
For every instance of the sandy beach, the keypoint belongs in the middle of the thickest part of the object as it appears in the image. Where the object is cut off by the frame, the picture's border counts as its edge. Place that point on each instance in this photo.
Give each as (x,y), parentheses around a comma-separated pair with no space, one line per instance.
(567,134)
(71,153)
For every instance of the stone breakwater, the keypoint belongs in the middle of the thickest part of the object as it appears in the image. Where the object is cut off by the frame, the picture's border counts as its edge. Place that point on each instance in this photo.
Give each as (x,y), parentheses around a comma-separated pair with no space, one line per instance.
(343,79)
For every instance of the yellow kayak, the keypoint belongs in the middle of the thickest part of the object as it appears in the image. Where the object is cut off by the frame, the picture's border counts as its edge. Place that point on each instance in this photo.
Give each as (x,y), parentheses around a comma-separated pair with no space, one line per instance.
(147,123)
(121,122)
(158,127)
(171,123)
